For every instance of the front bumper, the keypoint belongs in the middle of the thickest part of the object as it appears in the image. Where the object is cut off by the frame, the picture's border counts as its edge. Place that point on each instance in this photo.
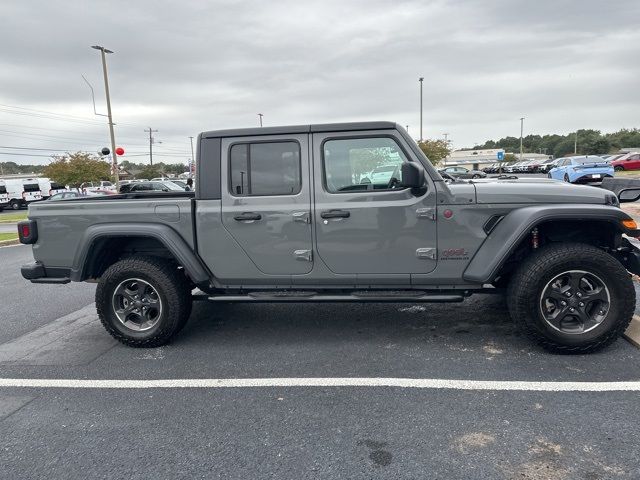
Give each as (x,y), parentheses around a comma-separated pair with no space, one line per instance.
(37,273)
(629,256)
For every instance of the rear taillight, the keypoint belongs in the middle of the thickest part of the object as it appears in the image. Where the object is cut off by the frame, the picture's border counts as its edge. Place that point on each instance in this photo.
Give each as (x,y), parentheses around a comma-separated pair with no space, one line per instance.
(28,232)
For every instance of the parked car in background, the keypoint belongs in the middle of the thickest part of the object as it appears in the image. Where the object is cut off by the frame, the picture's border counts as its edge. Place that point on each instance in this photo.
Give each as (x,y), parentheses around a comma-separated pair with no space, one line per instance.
(629,161)
(547,165)
(151,186)
(495,167)
(49,187)
(74,194)
(461,172)
(515,167)
(22,192)
(4,196)
(581,169)
(103,186)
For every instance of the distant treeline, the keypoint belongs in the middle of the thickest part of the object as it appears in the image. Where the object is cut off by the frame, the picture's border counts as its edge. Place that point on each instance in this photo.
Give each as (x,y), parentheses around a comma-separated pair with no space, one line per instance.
(590,142)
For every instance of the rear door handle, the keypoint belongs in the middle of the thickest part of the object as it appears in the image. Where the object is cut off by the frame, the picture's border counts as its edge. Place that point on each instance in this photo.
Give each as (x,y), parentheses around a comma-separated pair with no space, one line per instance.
(243,217)
(335,214)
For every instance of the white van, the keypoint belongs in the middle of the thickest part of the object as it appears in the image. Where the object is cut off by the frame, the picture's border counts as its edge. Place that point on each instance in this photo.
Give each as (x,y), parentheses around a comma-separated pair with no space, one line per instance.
(48,187)
(23,191)
(4,196)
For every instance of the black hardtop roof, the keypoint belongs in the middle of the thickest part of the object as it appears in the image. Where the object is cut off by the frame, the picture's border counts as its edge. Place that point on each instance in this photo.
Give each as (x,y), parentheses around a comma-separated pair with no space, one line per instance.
(323,127)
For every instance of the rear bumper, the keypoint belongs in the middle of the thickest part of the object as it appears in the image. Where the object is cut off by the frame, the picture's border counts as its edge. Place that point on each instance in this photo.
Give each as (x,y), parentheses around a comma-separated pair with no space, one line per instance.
(37,273)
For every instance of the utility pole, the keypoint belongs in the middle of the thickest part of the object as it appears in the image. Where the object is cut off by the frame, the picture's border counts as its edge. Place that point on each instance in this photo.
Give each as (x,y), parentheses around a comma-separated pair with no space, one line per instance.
(260,116)
(521,130)
(151,142)
(192,158)
(575,144)
(421,79)
(446,138)
(114,156)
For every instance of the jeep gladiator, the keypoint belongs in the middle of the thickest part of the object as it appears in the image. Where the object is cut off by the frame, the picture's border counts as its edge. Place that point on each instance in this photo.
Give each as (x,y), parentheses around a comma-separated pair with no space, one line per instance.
(293,214)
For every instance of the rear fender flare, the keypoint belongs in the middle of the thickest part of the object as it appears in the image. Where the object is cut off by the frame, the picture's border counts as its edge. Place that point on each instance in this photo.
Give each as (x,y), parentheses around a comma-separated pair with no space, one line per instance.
(164,234)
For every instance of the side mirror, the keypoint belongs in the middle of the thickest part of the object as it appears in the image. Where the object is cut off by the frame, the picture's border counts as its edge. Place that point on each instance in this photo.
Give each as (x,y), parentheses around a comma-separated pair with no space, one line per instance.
(629,195)
(412,175)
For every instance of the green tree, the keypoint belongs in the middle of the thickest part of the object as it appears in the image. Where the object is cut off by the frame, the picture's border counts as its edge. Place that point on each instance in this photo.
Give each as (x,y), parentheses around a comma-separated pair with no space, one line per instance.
(435,150)
(149,172)
(74,169)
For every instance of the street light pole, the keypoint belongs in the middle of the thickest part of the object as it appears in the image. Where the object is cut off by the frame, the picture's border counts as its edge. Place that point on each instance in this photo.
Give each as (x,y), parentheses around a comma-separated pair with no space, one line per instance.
(114,156)
(521,130)
(421,79)
(575,144)
(193,160)
(260,115)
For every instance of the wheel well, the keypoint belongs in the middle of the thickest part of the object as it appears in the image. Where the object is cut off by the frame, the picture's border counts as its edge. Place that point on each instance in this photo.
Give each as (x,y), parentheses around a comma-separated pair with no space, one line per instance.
(104,252)
(599,233)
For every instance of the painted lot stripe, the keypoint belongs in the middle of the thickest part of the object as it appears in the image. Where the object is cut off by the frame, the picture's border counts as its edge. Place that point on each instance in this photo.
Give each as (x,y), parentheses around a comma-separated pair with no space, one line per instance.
(419,383)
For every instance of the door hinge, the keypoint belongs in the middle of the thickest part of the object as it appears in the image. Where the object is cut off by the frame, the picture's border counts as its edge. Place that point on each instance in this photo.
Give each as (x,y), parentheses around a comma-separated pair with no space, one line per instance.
(302,217)
(429,213)
(430,253)
(305,255)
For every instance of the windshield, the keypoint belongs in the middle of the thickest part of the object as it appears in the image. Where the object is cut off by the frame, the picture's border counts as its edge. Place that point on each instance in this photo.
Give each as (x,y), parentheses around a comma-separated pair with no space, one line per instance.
(172,186)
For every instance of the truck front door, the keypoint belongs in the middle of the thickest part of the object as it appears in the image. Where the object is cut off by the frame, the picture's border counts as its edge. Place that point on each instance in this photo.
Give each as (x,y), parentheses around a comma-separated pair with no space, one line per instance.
(366,222)
(266,201)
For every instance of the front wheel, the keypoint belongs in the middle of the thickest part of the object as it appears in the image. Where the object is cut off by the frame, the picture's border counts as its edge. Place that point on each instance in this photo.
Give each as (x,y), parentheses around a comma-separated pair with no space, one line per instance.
(15,205)
(143,301)
(566,178)
(571,298)
(618,169)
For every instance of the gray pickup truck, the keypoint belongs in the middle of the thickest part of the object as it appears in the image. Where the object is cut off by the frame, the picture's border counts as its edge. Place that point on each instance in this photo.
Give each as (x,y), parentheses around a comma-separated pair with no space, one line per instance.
(293,214)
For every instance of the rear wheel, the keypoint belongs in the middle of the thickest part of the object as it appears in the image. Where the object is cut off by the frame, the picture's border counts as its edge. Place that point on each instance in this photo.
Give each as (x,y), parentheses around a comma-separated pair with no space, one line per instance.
(143,301)
(15,205)
(571,298)
(618,168)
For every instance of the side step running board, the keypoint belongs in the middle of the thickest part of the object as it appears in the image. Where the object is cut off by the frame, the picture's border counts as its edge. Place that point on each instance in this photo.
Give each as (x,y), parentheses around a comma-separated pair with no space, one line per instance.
(359,296)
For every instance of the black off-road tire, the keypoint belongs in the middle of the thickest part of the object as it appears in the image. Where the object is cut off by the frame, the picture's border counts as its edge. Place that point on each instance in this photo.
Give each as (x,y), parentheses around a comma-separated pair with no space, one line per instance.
(528,282)
(172,287)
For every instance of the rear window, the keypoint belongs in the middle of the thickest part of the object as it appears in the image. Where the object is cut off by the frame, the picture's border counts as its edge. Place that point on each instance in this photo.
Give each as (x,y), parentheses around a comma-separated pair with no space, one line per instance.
(56,186)
(588,160)
(3,189)
(269,168)
(31,187)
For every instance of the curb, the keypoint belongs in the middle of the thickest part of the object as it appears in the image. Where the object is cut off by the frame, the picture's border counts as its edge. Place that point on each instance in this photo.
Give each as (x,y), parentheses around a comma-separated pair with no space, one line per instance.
(632,334)
(8,243)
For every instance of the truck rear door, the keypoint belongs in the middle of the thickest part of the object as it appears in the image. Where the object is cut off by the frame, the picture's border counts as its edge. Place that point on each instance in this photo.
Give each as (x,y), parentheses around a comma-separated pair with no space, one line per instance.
(266,200)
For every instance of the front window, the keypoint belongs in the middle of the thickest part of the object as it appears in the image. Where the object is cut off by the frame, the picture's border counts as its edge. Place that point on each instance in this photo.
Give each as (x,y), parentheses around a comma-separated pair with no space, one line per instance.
(362,164)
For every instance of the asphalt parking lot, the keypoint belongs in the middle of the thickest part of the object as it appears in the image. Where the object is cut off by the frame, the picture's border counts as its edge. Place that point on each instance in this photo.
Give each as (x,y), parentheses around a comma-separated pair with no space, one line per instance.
(208,421)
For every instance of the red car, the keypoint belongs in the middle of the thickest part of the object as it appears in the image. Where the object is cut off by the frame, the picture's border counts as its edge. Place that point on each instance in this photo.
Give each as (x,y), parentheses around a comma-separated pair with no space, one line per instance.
(630,161)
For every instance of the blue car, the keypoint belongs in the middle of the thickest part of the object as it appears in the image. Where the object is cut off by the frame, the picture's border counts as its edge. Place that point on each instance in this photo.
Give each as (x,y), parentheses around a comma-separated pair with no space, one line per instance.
(581,169)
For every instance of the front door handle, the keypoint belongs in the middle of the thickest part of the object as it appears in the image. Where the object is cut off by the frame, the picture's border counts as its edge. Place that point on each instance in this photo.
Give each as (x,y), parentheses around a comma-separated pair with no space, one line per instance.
(243,217)
(335,214)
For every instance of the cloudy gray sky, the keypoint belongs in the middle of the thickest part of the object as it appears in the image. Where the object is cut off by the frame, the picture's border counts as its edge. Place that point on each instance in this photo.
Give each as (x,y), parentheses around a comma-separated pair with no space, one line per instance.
(186,66)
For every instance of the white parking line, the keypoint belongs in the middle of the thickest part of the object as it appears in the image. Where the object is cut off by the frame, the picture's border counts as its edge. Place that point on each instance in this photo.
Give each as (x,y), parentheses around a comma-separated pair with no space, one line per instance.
(419,383)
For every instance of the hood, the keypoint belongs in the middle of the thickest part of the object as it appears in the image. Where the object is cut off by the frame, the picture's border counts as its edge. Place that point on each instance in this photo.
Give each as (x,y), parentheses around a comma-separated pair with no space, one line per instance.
(539,190)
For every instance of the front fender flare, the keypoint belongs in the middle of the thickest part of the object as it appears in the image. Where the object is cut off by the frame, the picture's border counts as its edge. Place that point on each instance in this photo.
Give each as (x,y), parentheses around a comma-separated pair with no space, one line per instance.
(167,236)
(517,224)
